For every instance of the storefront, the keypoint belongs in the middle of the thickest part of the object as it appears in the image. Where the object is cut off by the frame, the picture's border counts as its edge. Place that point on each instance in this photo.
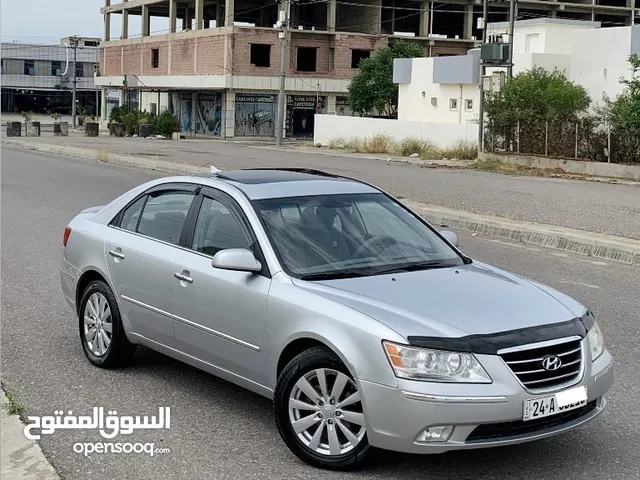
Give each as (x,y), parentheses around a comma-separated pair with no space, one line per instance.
(204,119)
(255,115)
(343,107)
(300,114)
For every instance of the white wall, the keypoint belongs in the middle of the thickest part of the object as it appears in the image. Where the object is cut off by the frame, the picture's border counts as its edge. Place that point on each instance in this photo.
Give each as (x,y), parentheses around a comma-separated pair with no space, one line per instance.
(599,59)
(414,107)
(333,127)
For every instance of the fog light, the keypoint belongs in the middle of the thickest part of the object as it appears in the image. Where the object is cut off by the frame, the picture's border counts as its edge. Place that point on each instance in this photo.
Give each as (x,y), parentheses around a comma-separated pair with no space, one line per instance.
(440,433)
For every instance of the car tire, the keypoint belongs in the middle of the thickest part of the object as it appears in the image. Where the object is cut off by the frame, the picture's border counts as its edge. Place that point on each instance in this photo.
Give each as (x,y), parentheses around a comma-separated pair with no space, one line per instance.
(118,351)
(305,366)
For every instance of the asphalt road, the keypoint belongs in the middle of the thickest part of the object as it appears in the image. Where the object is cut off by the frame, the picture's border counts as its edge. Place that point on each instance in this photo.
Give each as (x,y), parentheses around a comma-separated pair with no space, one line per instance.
(221,431)
(591,206)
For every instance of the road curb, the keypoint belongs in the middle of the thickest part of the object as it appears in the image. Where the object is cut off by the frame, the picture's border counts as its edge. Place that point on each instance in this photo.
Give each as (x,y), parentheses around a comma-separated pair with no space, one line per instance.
(596,245)
(21,457)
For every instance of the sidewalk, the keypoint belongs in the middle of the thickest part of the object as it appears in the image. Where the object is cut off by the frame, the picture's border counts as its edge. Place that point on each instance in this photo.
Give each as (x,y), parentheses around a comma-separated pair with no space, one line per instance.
(21,458)
(590,218)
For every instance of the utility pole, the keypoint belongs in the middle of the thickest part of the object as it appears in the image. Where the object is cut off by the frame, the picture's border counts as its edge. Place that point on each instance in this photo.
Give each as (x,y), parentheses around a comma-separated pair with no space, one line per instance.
(74,44)
(284,44)
(512,20)
(483,72)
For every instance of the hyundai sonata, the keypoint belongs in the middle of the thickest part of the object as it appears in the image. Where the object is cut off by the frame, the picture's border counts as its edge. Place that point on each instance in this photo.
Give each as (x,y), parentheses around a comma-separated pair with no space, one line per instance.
(365,325)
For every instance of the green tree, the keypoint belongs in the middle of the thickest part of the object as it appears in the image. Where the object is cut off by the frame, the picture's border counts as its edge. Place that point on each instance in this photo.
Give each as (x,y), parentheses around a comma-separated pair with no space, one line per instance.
(536,110)
(623,116)
(538,93)
(372,90)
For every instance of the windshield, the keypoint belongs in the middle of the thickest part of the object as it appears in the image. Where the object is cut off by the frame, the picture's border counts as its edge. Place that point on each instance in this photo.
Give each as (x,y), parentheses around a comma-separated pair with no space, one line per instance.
(339,236)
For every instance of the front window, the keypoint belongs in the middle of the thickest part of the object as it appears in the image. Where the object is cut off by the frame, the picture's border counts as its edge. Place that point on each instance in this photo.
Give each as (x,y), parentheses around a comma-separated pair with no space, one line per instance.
(341,236)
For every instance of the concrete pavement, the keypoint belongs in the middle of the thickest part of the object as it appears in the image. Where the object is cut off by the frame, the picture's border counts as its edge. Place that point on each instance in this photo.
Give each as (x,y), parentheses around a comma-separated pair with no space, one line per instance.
(21,458)
(558,203)
(220,431)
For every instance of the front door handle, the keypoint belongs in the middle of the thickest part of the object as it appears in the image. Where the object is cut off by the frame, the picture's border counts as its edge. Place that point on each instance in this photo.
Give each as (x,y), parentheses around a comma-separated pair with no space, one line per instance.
(182,277)
(116,254)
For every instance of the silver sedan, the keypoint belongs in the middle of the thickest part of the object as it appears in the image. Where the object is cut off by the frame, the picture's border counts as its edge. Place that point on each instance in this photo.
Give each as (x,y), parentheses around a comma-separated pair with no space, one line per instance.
(365,325)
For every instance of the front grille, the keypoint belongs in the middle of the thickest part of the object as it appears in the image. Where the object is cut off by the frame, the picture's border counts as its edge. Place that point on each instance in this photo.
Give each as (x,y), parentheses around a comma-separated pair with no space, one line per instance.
(510,429)
(527,365)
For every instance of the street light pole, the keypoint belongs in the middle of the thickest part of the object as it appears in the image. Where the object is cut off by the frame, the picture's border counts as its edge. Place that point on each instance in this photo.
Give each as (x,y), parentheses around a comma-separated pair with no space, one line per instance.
(512,20)
(74,44)
(283,71)
(483,72)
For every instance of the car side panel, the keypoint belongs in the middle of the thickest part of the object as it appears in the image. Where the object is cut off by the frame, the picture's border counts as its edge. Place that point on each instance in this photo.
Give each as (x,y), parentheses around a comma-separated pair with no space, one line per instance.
(84,253)
(294,313)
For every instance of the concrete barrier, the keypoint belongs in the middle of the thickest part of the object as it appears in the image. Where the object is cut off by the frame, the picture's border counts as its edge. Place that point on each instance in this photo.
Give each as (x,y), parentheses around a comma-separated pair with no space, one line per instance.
(577,167)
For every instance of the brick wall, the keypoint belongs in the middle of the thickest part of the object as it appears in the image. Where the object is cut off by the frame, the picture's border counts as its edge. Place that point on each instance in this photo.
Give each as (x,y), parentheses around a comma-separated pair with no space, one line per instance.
(210,56)
(163,58)
(342,45)
(204,55)
(183,57)
(112,65)
(131,55)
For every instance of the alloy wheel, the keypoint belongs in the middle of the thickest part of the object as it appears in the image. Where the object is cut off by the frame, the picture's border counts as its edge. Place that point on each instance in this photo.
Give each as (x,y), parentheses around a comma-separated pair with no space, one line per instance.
(98,324)
(325,411)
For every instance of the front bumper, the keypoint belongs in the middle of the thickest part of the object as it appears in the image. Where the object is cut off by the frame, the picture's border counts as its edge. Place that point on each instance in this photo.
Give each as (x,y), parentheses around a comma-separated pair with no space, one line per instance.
(396,416)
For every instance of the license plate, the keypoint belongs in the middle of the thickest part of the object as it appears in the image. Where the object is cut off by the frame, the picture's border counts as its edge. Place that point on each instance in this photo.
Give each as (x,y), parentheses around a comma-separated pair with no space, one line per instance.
(554,404)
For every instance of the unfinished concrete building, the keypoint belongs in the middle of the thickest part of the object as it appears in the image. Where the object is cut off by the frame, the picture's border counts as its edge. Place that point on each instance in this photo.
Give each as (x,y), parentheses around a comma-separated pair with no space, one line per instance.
(217,65)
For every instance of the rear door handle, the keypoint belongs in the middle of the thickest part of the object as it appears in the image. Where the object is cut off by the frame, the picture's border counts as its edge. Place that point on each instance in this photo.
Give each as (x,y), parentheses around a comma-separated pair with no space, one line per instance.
(116,254)
(182,277)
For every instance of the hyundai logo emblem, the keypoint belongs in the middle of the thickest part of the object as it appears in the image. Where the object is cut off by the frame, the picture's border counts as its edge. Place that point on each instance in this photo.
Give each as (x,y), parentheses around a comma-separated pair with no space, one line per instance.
(551,362)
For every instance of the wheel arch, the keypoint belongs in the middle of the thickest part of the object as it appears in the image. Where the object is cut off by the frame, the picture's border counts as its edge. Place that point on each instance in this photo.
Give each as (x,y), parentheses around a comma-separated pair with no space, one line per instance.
(304,341)
(89,275)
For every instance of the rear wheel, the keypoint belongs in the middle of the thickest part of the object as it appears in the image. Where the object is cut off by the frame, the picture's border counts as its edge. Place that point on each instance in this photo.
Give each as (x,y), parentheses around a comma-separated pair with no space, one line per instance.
(104,341)
(319,411)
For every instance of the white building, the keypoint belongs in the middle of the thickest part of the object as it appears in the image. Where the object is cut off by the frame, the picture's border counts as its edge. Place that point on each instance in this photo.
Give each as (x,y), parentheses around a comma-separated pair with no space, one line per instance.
(39,78)
(445,89)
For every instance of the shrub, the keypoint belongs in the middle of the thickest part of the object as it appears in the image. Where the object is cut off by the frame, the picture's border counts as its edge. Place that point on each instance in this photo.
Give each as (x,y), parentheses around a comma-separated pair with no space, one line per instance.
(377,144)
(410,146)
(166,124)
(461,150)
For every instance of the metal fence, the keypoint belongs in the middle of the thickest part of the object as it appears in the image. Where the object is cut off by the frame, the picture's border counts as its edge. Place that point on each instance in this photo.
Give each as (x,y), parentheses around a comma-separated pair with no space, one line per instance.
(582,140)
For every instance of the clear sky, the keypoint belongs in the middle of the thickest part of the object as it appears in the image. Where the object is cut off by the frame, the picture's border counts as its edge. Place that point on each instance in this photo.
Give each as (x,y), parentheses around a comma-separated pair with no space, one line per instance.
(47,21)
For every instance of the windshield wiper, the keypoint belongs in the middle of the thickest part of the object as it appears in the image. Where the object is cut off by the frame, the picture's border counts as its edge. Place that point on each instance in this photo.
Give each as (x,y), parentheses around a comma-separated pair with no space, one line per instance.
(413,267)
(335,275)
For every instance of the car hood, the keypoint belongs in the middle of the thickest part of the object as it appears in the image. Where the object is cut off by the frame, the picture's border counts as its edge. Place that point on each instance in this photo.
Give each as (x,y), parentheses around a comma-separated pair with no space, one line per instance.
(451,302)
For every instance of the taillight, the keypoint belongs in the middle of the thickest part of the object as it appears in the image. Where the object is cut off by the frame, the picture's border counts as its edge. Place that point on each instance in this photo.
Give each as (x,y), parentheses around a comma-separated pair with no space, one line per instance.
(65,237)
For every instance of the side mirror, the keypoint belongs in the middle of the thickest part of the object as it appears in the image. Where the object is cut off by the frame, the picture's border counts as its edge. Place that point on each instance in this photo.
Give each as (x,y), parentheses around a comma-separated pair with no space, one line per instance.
(239,259)
(450,237)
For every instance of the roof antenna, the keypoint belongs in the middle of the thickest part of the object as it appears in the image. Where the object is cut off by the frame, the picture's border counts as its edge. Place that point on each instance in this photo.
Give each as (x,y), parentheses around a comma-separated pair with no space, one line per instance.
(214,169)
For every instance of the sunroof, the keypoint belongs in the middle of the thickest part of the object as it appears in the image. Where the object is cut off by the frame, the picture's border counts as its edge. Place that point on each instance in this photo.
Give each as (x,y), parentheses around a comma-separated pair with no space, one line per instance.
(256,176)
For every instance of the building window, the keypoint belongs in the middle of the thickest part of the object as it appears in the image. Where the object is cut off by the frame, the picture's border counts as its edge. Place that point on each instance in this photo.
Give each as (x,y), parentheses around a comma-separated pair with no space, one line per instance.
(155,58)
(79,70)
(56,69)
(260,55)
(90,43)
(468,104)
(332,56)
(453,104)
(357,55)
(29,67)
(307,59)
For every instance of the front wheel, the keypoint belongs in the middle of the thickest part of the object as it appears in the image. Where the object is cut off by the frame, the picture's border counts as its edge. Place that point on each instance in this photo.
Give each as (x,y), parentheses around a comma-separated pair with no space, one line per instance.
(319,411)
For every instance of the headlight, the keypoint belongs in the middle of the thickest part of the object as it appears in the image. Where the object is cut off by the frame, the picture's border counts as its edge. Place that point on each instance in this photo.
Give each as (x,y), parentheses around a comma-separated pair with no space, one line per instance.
(596,341)
(435,365)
